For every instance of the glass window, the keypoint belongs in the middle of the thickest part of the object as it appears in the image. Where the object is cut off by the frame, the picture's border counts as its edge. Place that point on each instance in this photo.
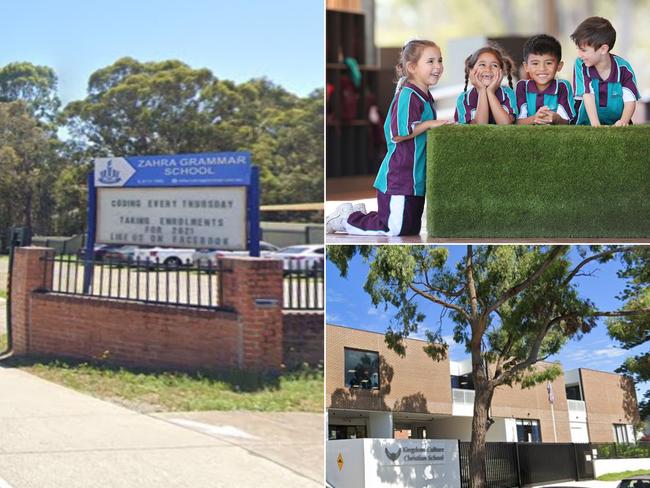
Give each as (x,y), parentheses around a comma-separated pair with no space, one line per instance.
(361,369)
(621,433)
(347,432)
(573,392)
(463,382)
(528,431)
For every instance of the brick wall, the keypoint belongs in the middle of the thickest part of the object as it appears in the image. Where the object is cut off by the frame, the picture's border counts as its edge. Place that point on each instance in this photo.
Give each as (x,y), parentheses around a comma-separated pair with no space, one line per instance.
(415,383)
(249,337)
(610,399)
(303,335)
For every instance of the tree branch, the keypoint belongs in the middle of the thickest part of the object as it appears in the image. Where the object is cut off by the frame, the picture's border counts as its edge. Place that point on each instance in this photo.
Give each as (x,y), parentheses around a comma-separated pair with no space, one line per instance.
(528,281)
(437,300)
(586,261)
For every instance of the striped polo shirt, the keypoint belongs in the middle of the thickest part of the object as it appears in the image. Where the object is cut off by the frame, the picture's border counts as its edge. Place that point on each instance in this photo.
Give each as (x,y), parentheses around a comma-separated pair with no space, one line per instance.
(610,94)
(467,103)
(403,170)
(558,96)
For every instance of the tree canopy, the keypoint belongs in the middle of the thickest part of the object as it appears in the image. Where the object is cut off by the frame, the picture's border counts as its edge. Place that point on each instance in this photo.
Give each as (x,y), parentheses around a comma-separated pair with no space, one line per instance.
(142,108)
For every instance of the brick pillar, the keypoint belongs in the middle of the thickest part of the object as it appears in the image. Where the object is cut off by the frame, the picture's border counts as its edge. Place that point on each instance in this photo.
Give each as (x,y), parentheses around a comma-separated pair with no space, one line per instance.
(254,288)
(29,273)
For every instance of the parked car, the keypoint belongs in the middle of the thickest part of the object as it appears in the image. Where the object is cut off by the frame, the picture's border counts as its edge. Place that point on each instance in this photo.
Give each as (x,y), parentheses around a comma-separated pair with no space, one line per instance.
(121,254)
(307,257)
(204,256)
(641,481)
(266,250)
(172,257)
(100,251)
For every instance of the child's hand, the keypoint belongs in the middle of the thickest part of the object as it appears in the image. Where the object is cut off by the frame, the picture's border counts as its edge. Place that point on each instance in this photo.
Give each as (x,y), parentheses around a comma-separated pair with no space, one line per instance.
(620,123)
(496,82)
(474,79)
(543,116)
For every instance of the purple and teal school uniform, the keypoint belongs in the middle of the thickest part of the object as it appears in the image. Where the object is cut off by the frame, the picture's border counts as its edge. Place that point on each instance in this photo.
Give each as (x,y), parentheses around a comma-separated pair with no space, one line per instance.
(558,96)
(610,94)
(467,103)
(400,182)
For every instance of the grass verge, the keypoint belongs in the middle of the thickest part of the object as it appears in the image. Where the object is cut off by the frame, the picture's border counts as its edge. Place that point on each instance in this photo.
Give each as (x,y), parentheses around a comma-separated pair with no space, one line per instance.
(154,391)
(3,294)
(622,474)
(3,343)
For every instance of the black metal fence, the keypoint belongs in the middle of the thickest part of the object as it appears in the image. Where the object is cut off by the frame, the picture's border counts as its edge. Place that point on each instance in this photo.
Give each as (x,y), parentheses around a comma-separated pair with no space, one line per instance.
(303,285)
(510,464)
(192,285)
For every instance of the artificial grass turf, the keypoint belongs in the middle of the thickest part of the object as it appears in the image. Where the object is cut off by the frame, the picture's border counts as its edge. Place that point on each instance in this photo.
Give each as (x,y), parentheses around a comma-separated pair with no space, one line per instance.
(538,181)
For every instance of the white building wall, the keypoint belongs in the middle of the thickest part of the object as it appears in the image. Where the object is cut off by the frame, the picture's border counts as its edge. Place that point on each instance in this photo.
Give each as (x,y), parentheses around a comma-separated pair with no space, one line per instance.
(380,425)
(579,432)
(604,466)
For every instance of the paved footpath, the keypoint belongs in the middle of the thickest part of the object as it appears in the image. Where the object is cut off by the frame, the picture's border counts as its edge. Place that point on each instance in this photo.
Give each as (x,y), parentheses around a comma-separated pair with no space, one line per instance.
(52,437)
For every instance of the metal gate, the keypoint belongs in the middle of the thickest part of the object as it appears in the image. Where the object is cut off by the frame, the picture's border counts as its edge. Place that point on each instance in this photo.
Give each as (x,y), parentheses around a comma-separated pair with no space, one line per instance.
(510,464)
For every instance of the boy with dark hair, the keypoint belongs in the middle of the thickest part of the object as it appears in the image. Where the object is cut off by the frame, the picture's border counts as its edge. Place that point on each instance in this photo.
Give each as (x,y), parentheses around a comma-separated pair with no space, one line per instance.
(604,83)
(542,99)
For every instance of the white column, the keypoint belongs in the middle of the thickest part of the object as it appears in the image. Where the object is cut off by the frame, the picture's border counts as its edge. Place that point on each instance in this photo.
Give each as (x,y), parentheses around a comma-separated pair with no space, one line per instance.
(380,425)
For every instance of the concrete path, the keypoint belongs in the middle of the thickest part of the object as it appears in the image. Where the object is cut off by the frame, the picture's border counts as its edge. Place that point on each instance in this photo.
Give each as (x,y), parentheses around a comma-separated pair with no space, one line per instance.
(294,440)
(52,437)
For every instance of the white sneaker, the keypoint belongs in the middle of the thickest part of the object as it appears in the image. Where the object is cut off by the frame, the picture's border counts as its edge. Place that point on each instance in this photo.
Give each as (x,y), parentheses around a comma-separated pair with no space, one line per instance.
(335,222)
(359,207)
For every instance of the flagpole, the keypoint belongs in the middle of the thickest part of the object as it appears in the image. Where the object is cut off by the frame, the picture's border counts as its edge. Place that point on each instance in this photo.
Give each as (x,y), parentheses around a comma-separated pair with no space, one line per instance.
(551,400)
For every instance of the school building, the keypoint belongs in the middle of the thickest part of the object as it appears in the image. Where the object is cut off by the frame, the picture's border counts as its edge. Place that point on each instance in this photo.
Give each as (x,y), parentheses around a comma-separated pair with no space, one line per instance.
(371,392)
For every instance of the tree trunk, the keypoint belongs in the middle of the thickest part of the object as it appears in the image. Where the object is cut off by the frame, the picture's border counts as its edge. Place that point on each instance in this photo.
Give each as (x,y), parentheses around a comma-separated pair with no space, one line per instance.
(482,401)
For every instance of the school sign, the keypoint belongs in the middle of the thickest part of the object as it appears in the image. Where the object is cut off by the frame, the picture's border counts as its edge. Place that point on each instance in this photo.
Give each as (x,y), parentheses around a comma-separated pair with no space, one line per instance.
(206,200)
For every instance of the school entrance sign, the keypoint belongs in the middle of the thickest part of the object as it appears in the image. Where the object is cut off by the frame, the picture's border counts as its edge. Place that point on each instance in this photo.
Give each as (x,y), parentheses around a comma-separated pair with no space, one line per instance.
(206,200)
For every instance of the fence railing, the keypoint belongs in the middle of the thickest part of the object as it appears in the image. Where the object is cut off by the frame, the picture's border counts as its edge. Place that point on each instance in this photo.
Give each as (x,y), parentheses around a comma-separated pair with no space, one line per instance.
(192,285)
(303,285)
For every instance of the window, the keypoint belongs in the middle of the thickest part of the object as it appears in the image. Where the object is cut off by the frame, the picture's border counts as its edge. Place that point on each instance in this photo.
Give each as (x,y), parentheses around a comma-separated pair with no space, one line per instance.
(361,369)
(620,430)
(573,392)
(528,431)
(463,382)
(347,432)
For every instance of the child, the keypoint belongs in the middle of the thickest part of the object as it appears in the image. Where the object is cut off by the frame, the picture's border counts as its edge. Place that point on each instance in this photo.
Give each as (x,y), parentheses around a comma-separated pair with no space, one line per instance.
(542,99)
(604,83)
(400,182)
(487,102)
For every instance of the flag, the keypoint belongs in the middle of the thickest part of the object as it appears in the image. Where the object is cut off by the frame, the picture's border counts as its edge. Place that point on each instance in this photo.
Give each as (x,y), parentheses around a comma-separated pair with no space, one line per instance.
(549,388)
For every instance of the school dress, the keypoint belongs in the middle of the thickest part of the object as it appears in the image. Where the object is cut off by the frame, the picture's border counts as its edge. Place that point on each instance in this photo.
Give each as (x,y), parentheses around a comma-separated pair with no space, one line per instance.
(557,96)
(467,103)
(401,180)
(610,94)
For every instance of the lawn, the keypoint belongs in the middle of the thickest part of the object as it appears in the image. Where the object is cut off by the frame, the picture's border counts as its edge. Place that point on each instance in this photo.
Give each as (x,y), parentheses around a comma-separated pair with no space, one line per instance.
(621,475)
(299,391)
(3,343)
(545,182)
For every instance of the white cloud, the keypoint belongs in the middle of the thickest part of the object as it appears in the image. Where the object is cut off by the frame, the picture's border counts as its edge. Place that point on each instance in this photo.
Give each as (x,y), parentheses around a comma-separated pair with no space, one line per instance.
(610,352)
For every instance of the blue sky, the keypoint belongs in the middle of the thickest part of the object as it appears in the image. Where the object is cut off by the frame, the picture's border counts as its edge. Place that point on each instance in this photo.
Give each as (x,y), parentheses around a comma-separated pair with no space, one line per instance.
(350,306)
(236,40)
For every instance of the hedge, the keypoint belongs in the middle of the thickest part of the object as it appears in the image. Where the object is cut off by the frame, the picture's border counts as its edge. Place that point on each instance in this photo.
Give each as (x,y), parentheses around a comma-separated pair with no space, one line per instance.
(538,182)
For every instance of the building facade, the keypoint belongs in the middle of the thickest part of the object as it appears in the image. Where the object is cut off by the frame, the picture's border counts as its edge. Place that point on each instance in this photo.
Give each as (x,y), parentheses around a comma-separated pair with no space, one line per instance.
(373,392)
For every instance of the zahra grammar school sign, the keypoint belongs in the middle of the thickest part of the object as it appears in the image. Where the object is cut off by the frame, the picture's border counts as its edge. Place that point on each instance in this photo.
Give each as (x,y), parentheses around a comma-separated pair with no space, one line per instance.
(184,200)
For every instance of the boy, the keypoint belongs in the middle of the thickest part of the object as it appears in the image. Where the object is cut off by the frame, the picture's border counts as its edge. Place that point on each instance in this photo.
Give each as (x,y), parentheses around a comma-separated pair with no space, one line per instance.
(542,99)
(604,83)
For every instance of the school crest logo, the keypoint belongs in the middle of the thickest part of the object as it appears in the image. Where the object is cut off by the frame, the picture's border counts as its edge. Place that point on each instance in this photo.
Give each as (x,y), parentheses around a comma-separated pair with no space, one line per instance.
(110,175)
(393,456)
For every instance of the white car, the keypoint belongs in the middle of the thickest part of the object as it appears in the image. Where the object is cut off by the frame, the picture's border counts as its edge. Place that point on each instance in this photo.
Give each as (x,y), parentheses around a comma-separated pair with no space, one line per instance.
(303,257)
(169,256)
(205,256)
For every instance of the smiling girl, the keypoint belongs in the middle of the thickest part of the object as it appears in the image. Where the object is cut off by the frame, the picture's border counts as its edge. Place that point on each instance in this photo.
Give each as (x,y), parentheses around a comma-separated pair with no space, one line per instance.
(487,102)
(400,182)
